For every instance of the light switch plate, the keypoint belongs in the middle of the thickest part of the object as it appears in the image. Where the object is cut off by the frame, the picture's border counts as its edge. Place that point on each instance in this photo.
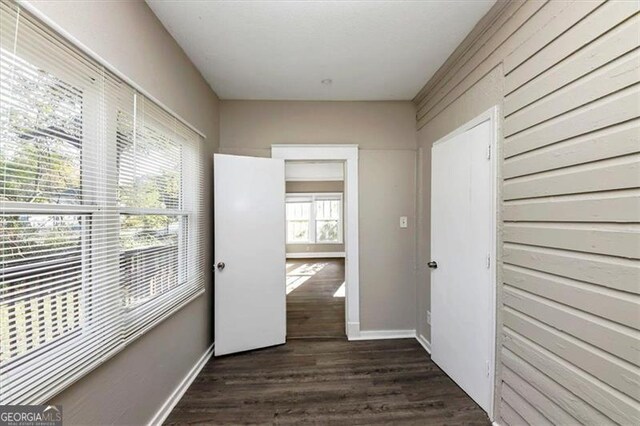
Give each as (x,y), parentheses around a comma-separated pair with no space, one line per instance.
(403,222)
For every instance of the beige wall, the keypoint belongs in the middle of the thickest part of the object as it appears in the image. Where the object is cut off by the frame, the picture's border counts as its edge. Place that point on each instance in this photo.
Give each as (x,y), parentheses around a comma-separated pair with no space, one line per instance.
(566,77)
(315,187)
(385,132)
(130,387)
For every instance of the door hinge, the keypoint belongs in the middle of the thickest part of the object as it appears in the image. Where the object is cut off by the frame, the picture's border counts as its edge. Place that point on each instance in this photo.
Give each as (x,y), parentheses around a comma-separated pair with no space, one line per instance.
(488,368)
(488,152)
(488,261)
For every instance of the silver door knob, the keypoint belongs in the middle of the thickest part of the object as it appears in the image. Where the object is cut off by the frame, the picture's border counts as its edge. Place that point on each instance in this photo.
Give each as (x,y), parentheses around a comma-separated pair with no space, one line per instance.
(220,266)
(432,265)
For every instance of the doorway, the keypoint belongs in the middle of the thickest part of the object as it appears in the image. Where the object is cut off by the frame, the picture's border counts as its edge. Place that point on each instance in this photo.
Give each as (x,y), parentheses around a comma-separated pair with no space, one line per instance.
(463,278)
(347,260)
(314,217)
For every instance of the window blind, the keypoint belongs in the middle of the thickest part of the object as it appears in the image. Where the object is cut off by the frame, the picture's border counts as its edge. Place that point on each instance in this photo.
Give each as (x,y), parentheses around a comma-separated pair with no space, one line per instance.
(101,212)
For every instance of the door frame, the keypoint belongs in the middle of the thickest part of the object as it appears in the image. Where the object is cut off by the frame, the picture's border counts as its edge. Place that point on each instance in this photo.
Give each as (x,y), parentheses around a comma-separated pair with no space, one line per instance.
(493,116)
(348,154)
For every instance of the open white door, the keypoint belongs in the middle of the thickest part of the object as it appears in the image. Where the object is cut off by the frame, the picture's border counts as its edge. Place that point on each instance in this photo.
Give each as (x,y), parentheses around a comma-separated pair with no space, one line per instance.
(249,278)
(462,235)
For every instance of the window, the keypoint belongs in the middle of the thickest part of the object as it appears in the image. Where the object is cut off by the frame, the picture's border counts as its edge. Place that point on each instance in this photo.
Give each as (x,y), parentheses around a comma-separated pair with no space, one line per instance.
(328,212)
(314,218)
(101,212)
(299,219)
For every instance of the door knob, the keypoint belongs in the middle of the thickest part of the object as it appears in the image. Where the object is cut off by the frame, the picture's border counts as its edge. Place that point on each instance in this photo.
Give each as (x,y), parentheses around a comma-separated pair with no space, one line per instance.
(433,265)
(220,266)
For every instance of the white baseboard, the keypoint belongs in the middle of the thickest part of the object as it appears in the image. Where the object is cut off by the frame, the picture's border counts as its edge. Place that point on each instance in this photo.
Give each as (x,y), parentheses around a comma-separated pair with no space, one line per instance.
(307,255)
(383,334)
(182,387)
(353,330)
(424,342)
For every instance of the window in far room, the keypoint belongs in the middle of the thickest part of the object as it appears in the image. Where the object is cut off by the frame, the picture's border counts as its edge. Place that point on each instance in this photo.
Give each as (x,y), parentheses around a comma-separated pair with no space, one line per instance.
(314,218)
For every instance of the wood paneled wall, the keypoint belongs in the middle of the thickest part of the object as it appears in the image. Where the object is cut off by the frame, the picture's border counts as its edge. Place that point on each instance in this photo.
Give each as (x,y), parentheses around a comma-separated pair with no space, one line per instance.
(569,320)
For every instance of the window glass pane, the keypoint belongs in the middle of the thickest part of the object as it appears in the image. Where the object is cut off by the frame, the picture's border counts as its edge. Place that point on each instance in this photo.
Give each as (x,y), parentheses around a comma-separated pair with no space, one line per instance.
(41,280)
(149,164)
(298,210)
(40,134)
(327,209)
(149,255)
(298,231)
(298,217)
(327,231)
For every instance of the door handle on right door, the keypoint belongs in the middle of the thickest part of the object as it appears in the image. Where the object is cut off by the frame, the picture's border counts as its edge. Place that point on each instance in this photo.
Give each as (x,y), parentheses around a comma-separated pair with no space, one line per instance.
(433,265)
(220,266)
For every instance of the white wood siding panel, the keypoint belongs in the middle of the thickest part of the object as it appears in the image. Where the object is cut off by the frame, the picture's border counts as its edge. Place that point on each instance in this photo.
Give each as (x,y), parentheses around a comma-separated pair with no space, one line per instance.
(605,175)
(606,143)
(584,59)
(582,411)
(617,75)
(524,408)
(510,417)
(623,241)
(537,399)
(616,339)
(623,207)
(560,22)
(616,108)
(615,405)
(621,307)
(621,375)
(610,272)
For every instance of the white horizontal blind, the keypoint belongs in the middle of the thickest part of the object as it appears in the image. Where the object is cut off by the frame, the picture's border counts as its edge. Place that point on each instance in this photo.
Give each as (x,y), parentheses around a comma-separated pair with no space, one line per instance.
(100,214)
(161,258)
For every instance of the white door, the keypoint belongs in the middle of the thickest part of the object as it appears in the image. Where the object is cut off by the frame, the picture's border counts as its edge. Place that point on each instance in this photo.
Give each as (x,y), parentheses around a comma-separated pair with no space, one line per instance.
(461,242)
(249,253)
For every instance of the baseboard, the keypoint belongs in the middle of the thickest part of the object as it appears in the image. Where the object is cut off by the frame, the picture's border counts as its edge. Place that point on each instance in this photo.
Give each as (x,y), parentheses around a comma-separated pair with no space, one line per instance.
(353,330)
(383,334)
(182,387)
(424,342)
(306,255)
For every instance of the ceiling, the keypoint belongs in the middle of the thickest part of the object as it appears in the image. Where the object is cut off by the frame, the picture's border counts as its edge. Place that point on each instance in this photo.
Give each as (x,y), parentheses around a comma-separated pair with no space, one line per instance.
(282,50)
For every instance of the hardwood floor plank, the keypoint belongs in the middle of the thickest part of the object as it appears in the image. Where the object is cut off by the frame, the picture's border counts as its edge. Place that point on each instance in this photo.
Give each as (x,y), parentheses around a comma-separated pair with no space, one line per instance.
(327,381)
(312,309)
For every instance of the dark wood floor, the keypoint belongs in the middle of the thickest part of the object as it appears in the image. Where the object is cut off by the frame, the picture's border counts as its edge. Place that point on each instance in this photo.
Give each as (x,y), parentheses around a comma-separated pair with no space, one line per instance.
(312,309)
(319,377)
(327,381)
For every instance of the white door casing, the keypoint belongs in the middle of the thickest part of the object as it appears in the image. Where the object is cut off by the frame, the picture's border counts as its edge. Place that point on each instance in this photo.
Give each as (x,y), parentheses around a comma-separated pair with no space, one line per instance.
(249,291)
(463,233)
(348,154)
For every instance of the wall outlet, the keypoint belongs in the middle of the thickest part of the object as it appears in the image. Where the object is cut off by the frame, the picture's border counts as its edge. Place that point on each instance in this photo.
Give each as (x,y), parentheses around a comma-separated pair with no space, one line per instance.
(403,222)
(429,317)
